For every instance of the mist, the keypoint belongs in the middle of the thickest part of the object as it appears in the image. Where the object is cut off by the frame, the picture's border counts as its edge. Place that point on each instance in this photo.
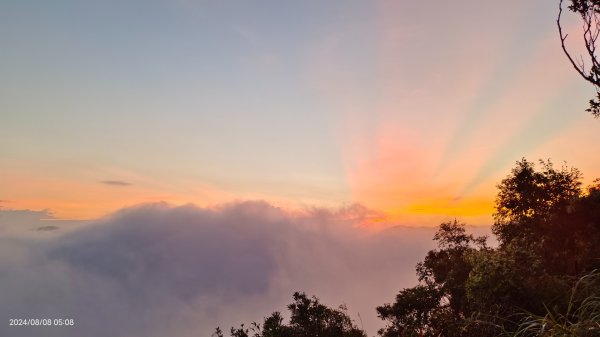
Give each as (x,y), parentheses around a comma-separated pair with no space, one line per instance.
(158,270)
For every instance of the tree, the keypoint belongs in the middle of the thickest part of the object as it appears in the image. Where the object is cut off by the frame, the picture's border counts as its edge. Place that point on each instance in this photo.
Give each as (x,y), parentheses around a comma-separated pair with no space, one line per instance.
(412,313)
(308,318)
(311,318)
(506,280)
(546,212)
(589,11)
(528,200)
(449,267)
(548,231)
(439,305)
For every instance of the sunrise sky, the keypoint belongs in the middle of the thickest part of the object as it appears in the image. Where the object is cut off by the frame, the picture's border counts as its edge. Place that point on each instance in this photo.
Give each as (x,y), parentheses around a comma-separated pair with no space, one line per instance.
(414,109)
(170,166)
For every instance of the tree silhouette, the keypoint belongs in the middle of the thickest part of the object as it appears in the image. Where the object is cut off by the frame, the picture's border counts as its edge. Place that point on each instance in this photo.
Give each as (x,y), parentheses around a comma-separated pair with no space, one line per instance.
(587,66)
(413,312)
(308,318)
(527,200)
(548,231)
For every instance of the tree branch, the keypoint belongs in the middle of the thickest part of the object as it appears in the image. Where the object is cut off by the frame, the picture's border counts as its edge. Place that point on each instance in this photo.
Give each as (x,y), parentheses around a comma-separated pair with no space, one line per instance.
(563,37)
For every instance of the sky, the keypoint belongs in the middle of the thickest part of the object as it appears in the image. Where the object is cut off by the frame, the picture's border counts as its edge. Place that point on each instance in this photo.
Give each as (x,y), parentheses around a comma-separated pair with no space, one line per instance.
(416,110)
(321,141)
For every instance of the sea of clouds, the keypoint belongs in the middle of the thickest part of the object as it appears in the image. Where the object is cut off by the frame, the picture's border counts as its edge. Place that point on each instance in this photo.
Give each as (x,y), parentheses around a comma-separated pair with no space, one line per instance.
(162,270)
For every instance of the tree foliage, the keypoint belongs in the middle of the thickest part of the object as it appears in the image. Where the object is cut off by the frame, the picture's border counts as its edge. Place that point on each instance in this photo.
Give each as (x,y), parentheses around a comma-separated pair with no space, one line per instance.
(308,318)
(548,231)
(413,312)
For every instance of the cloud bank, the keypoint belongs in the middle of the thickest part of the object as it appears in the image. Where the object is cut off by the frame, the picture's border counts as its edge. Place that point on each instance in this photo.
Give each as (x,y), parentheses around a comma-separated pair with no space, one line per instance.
(159,270)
